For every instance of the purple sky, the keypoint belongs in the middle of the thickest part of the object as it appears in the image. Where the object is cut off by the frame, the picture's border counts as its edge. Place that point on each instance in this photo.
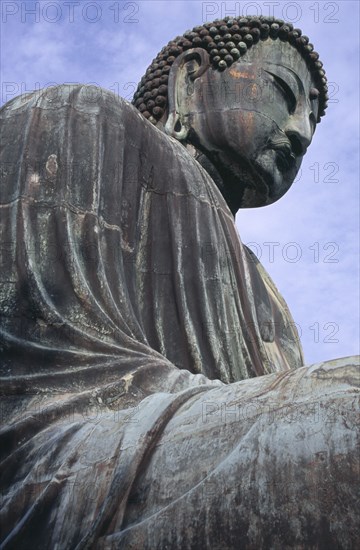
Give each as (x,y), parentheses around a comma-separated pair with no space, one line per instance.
(308,241)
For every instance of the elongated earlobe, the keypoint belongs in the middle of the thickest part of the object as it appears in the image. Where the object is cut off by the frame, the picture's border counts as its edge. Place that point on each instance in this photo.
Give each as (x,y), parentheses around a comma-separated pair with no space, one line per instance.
(185,70)
(175,128)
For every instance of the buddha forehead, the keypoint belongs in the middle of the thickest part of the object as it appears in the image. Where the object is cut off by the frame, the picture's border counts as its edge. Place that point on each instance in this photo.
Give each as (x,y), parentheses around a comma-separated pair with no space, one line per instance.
(252,83)
(268,56)
(281,54)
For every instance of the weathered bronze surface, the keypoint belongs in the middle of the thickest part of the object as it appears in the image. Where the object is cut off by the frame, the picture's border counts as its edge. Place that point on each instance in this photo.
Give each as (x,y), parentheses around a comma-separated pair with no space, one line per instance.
(152,379)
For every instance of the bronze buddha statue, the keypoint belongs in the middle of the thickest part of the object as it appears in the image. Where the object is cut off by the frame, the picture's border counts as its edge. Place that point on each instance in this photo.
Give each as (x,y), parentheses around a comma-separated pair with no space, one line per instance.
(154,393)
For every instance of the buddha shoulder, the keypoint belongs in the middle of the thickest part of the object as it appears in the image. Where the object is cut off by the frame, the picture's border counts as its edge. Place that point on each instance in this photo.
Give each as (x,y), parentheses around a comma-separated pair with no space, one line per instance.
(84,98)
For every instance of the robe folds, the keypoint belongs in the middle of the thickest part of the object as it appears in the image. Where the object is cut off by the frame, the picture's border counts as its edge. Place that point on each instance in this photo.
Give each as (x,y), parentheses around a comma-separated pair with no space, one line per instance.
(132,319)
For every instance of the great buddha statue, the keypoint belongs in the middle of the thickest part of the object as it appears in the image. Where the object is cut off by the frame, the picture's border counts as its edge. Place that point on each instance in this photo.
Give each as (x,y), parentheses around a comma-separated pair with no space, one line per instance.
(154,393)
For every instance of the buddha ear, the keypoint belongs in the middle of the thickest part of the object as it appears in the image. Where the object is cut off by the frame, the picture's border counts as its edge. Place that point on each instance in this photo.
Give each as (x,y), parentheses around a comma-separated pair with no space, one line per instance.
(186,68)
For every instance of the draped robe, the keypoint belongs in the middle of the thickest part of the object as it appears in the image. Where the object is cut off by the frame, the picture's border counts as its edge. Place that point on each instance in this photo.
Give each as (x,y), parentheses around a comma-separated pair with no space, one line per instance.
(131,318)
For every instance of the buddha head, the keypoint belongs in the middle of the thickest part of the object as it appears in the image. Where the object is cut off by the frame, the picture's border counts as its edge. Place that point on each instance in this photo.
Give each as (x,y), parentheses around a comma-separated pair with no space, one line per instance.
(244,96)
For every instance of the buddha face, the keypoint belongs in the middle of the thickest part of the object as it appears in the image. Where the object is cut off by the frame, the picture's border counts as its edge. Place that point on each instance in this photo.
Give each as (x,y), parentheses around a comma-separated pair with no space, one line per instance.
(254,121)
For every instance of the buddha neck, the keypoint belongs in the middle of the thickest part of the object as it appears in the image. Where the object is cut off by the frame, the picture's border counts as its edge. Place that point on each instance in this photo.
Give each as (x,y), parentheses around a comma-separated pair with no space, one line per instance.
(225,180)
(222,173)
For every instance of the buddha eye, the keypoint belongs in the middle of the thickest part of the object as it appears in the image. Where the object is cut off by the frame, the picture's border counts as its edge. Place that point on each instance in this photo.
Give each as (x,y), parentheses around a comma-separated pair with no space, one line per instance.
(287,91)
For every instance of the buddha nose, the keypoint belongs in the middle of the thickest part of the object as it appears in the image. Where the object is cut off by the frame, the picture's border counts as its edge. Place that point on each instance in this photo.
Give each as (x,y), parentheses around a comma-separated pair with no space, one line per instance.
(299,130)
